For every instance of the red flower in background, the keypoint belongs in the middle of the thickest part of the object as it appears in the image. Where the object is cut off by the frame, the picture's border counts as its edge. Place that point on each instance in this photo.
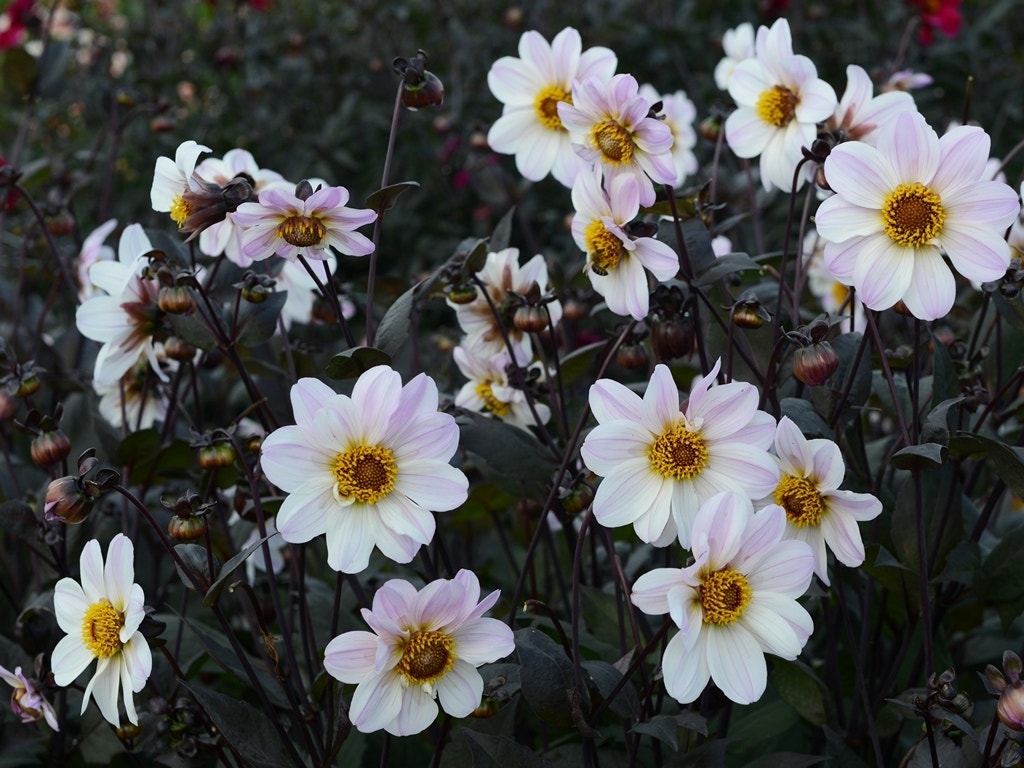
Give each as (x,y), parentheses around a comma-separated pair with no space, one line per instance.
(941,14)
(14,22)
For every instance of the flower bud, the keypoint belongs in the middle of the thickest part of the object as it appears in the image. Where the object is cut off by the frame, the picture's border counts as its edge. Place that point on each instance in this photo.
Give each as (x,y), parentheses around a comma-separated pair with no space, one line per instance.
(66,501)
(530,319)
(747,315)
(673,337)
(8,406)
(462,294)
(186,528)
(633,356)
(28,385)
(710,127)
(813,365)
(50,448)
(176,300)
(178,349)
(128,731)
(1011,706)
(428,93)
(216,456)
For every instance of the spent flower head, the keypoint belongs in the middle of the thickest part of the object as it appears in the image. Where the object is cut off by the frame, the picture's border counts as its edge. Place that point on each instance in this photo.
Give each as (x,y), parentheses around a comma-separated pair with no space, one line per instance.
(27,699)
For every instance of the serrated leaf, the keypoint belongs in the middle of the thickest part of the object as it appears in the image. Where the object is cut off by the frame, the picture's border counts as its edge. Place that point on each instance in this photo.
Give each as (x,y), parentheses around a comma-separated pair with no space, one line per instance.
(384,198)
(258,322)
(246,729)
(509,450)
(354,362)
(923,456)
(724,266)
(502,235)
(228,569)
(546,677)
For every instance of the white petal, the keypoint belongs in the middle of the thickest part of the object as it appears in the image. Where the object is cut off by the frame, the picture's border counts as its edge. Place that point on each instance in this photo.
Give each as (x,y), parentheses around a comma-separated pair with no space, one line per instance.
(376,702)
(460,690)
(736,663)
(350,656)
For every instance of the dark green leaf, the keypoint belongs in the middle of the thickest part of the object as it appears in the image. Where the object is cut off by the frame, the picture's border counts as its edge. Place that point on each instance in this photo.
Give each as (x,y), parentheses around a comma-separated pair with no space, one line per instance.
(605,677)
(665,728)
(394,326)
(698,245)
(546,677)
(384,198)
(16,516)
(258,322)
(246,729)
(193,556)
(502,235)
(1001,576)
(137,447)
(923,456)
(192,330)
(354,362)
(511,451)
(499,752)
(476,257)
(1006,461)
(786,760)
(936,424)
(799,687)
(802,413)
(582,361)
(724,266)
(213,593)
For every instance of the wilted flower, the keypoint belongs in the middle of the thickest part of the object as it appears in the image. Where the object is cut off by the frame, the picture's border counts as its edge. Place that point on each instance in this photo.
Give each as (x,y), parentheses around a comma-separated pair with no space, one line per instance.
(101,617)
(365,470)
(425,645)
(531,88)
(27,700)
(736,602)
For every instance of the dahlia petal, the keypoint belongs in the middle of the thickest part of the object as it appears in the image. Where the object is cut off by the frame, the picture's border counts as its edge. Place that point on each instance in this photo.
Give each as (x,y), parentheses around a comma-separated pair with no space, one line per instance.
(101,318)
(859,506)
(482,641)
(686,670)
(119,571)
(91,568)
(964,152)
(748,81)
(305,515)
(624,496)
(650,590)
(661,400)
(610,400)
(418,710)
(288,458)
(536,159)
(394,545)
(840,260)
(69,605)
(514,81)
(843,537)
(912,148)
(376,702)
(658,257)
(883,271)
(786,569)
(723,410)
(746,133)
(406,518)
(309,395)
(566,48)
(138,659)
(838,219)
(125,682)
(685,504)
(650,527)
(764,530)
(736,663)
(351,538)
(792,447)
(350,656)
(780,626)
(862,176)
(461,689)
(977,254)
(536,50)
(827,467)
(983,202)
(932,289)
(70,657)
(611,445)
(433,485)
(753,468)
(817,100)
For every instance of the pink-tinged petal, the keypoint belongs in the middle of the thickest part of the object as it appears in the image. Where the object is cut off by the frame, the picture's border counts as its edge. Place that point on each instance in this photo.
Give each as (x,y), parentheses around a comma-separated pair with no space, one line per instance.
(793,449)
(736,663)
(292,462)
(658,257)
(536,50)
(964,152)
(859,89)
(326,198)
(304,516)
(70,658)
(460,690)
(861,175)
(349,243)
(879,111)
(309,395)
(566,48)
(860,506)
(838,219)
(983,202)
(104,688)
(749,80)
(568,165)
(763,532)
(536,159)
(843,537)
(393,602)
(433,485)
(686,670)
(780,626)
(718,528)
(932,289)
(827,469)
(138,661)
(125,680)
(376,702)
(167,184)
(912,147)
(685,504)
(375,397)
(260,244)
(883,271)
(786,569)
(406,518)
(112,277)
(610,400)
(101,318)
(433,436)
(119,571)
(817,102)
(811,536)
(482,641)
(350,656)
(132,245)
(623,198)
(417,712)
(724,409)
(661,400)
(514,81)
(751,468)
(651,527)
(650,590)
(91,567)
(610,446)
(977,254)
(840,260)
(395,546)
(598,62)
(625,495)
(351,537)
(747,134)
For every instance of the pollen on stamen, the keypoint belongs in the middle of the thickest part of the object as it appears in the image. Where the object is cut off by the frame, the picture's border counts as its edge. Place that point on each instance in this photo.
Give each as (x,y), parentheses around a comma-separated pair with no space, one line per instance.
(679,454)
(724,596)
(366,473)
(603,247)
(302,231)
(180,210)
(912,215)
(801,500)
(777,106)
(491,403)
(614,143)
(427,657)
(101,629)
(546,106)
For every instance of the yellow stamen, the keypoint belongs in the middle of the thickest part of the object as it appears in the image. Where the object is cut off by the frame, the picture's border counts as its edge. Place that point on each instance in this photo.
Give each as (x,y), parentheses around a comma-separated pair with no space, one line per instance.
(604,248)
(365,472)
(428,656)
(101,629)
(724,595)
(546,106)
(679,454)
(912,215)
(800,499)
(613,141)
(302,231)
(180,210)
(491,403)
(777,106)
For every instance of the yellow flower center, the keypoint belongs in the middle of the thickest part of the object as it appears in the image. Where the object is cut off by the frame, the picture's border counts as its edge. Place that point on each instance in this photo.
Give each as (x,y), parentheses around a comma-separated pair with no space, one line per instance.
(912,215)
(101,629)
(604,248)
(546,106)
(491,403)
(724,595)
(800,499)
(180,210)
(301,231)
(428,656)
(679,454)
(366,472)
(777,106)
(613,141)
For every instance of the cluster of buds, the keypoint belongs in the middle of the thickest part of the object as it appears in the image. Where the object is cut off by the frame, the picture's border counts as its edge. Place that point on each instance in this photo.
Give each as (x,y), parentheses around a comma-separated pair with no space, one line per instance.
(672,332)
(1009,286)
(420,87)
(530,314)
(255,287)
(70,499)
(814,360)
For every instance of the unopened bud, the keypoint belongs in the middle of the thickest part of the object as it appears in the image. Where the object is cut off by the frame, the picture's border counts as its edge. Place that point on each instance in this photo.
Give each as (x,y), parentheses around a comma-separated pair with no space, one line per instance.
(462,294)
(178,349)
(186,528)
(530,319)
(66,501)
(216,456)
(176,300)
(49,448)
(673,337)
(633,356)
(814,364)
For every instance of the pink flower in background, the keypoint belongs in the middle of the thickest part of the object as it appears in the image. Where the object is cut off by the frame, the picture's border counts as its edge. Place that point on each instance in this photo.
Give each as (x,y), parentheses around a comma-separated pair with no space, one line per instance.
(943,15)
(425,646)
